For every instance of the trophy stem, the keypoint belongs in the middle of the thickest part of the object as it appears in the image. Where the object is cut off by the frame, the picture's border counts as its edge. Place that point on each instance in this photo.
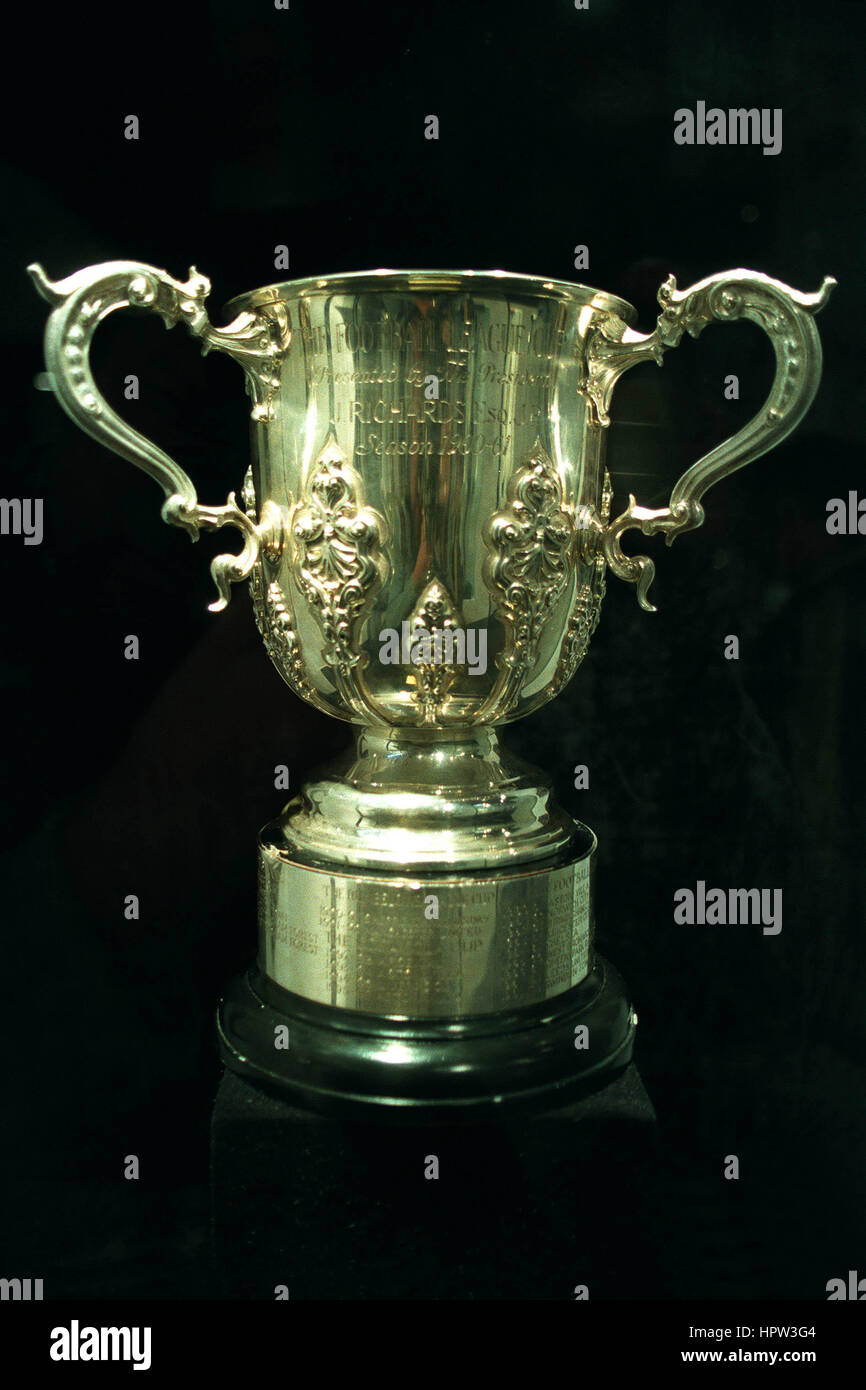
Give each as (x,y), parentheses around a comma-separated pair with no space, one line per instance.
(436,800)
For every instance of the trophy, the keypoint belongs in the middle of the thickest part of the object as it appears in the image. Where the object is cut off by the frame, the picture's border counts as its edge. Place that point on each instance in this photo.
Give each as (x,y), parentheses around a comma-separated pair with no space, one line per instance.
(426,529)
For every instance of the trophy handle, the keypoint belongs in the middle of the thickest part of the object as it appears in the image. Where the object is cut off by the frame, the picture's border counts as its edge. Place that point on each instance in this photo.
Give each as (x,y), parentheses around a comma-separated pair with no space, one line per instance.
(785,316)
(256,340)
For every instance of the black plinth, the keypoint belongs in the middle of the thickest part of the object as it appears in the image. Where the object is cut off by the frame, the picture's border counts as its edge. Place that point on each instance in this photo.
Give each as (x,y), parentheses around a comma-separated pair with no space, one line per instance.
(528,1204)
(493,1157)
(411,1070)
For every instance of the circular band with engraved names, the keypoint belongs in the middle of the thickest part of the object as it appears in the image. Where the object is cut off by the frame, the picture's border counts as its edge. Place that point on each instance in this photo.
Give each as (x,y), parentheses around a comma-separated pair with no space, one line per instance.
(426,945)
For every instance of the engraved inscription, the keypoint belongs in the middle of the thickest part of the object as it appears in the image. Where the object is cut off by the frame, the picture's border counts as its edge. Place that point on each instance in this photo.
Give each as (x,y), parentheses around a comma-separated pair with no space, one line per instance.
(291,935)
(448,369)
(463,446)
(415,335)
(365,943)
(582,916)
(492,379)
(436,412)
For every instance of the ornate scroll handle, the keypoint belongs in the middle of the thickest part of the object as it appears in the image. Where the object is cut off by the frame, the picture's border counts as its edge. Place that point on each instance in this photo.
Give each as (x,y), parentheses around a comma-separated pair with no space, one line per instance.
(81,302)
(785,316)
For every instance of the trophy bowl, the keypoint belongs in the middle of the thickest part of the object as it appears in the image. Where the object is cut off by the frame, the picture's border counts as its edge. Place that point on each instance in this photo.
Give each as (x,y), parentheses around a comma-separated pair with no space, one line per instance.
(427,529)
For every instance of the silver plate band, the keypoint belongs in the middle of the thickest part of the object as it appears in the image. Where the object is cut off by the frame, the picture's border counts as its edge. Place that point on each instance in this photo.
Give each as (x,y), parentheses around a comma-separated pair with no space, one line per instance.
(431,946)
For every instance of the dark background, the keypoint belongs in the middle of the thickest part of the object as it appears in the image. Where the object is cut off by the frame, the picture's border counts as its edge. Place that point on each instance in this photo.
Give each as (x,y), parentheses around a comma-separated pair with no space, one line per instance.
(261,127)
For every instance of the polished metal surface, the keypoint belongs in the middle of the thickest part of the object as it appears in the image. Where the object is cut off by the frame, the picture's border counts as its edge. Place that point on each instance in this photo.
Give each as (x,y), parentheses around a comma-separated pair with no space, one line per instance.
(431,947)
(785,316)
(445,800)
(431,433)
(256,341)
(426,530)
(429,451)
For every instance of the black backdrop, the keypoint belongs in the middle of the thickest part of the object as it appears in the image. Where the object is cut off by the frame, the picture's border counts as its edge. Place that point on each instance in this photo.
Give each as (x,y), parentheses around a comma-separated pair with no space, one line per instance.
(261,127)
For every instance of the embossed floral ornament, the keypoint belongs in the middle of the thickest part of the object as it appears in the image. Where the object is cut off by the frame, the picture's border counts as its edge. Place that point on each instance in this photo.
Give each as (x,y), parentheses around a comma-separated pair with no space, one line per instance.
(340,564)
(434,617)
(530,541)
(587,602)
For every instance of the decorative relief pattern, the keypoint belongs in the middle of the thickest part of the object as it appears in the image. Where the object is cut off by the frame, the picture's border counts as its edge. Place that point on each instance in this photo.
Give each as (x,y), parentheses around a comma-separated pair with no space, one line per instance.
(529,543)
(274,619)
(339,562)
(257,340)
(435,614)
(587,605)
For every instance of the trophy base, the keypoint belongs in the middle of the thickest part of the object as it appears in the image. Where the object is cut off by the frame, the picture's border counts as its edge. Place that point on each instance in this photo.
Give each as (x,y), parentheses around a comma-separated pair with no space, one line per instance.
(337,1060)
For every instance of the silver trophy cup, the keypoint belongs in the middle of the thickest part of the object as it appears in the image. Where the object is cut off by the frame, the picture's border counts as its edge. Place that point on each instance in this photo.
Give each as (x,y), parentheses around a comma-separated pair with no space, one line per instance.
(426,531)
